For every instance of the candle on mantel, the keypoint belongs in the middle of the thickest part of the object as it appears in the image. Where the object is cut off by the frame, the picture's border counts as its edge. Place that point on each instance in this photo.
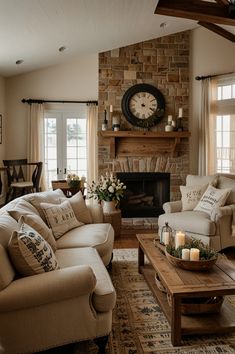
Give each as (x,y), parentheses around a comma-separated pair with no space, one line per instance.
(111,108)
(194,254)
(185,254)
(179,239)
(180,112)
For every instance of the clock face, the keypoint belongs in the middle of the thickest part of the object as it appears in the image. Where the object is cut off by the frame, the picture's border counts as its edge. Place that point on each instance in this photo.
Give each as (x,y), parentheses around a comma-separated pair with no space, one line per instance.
(143,105)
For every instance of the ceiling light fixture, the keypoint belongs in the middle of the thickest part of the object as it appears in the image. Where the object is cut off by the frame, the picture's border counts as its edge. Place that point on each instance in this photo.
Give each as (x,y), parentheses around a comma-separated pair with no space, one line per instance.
(62,48)
(19,61)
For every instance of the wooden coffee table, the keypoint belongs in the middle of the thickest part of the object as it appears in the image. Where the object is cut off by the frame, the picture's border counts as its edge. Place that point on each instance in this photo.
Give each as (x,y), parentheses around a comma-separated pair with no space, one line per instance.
(179,284)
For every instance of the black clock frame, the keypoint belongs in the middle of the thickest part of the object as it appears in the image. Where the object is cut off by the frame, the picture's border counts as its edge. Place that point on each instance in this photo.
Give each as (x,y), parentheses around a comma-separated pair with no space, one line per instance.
(155,117)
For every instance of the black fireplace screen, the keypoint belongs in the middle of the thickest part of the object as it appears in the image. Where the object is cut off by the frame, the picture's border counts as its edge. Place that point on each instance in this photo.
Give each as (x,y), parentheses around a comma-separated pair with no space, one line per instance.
(145,193)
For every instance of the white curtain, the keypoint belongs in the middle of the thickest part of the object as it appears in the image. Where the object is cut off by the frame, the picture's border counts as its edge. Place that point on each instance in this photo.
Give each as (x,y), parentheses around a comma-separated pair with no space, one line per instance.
(35,137)
(92,143)
(206,128)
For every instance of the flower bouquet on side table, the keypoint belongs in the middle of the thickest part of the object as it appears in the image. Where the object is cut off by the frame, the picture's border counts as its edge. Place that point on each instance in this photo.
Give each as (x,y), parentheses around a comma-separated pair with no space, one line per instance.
(108,191)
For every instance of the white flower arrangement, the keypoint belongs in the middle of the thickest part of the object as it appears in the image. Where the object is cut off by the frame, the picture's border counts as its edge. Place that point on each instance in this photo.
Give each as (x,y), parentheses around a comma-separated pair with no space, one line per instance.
(108,188)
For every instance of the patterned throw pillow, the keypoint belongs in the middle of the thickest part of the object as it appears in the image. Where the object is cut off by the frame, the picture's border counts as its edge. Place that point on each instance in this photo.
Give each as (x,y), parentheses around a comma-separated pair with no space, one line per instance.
(39,225)
(212,198)
(80,209)
(30,253)
(60,218)
(191,196)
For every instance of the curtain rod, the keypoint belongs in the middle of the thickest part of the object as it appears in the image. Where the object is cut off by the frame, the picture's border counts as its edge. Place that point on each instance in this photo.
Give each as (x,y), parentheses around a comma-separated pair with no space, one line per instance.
(33,100)
(209,76)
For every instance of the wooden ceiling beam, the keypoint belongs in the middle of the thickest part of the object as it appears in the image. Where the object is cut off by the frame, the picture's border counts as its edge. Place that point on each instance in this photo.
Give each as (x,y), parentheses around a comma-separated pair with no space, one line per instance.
(218,30)
(198,10)
(222,2)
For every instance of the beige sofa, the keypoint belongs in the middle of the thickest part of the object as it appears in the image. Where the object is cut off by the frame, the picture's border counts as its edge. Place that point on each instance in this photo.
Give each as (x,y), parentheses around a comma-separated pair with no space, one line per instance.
(216,230)
(70,304)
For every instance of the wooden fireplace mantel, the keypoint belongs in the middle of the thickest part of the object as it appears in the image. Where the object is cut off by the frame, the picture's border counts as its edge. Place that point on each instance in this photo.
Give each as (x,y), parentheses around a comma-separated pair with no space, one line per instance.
(142,143)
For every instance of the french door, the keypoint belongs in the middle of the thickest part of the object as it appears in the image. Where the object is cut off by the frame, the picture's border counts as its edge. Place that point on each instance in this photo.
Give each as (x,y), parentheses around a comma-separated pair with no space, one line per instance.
(65,147)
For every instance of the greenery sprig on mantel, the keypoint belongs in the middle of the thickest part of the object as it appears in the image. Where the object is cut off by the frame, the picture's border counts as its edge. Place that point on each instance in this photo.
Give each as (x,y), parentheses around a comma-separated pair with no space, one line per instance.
(206,253)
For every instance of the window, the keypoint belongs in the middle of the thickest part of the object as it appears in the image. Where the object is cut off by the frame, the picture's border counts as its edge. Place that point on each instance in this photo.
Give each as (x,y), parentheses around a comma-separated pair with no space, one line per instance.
(65,145)
(224,125)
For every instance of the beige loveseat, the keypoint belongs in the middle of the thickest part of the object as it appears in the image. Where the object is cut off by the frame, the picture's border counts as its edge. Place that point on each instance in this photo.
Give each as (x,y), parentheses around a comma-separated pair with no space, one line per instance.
(70,304)
(216,230)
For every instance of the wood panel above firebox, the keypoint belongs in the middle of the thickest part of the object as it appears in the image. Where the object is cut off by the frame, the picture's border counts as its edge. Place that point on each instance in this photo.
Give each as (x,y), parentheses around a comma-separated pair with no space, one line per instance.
(142,143)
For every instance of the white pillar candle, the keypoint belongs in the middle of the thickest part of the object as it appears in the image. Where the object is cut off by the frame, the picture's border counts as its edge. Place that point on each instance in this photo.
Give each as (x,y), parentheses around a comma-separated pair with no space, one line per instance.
(169,119)
(185,254)
(179,239)
(180,112)
(166,237)
(194,254)
(111,108)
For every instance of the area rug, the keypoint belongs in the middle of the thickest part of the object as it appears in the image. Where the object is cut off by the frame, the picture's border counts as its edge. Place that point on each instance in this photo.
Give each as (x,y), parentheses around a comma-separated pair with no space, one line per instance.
(139,326)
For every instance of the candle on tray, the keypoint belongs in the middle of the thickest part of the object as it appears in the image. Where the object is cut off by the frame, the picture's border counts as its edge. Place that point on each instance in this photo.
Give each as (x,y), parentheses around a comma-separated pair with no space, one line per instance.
(166,237)
(179,239)
(185,254)
(194,254)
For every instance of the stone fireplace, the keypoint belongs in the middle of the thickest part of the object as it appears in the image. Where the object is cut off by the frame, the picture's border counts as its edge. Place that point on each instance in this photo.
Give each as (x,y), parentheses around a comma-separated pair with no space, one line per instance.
(145,193)
(164,63)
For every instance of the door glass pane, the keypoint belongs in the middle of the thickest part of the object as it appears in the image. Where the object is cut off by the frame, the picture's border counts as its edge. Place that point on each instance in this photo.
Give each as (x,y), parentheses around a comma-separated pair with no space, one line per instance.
(50,149)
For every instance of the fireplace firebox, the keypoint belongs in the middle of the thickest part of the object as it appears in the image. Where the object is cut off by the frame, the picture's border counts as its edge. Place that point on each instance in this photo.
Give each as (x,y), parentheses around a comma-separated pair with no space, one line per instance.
(145,194)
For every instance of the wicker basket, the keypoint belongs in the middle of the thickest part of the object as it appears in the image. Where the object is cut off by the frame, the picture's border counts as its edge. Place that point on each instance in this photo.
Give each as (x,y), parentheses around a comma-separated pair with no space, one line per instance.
(201,305)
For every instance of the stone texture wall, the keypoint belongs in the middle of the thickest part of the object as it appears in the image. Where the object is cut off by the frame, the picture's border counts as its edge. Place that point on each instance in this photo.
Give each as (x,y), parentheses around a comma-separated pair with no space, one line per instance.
(164,63)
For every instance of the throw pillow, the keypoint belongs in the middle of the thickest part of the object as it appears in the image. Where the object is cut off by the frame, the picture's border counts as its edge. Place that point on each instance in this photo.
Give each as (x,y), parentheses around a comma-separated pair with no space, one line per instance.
(60,218)
(212,198)
(39,225)
(7,272)
(80,209)
(225,182)
(22,208)
(30,253)
(191,196)
(44,197)
(7,226)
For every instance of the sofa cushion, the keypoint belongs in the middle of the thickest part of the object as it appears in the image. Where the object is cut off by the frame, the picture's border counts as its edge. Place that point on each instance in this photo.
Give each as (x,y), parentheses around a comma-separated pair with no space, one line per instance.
(104,296)
(225,182)
(191,195)
(211,199)
(44,197)
(39,225)
(195,180)
(60,217)
(196,222)
(80,209)
(7,226)
(22,208)
(99,236)
(7,272)
(30,253)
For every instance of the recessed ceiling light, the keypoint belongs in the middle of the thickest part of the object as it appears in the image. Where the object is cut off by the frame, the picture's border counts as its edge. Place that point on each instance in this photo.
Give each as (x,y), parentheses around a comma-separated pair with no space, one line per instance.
(164,25)
(19,61)
(62,48)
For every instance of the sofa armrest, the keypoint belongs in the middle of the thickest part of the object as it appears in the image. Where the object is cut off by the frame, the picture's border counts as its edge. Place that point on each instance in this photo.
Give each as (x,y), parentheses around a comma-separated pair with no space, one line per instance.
(48,287)
(172,207)
(96,211)
(219,212)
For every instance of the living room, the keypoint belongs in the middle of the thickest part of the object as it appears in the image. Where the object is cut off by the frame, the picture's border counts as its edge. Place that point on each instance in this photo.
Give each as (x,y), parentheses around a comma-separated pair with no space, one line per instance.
(81,77)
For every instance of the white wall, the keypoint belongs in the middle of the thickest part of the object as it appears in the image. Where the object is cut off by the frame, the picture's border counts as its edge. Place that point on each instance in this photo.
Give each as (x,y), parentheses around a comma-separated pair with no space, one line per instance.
(75,80)
(210,55)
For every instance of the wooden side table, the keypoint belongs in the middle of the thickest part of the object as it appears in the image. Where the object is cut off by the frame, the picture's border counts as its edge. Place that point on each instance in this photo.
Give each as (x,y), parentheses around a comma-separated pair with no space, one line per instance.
(115,219)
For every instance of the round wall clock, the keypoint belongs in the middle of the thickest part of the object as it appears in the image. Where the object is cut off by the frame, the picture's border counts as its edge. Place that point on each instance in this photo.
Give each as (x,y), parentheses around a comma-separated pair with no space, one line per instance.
(143,105)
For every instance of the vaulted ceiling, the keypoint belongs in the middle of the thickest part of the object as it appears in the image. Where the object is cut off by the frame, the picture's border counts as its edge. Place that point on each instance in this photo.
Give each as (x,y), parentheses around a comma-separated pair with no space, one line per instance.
(34,30)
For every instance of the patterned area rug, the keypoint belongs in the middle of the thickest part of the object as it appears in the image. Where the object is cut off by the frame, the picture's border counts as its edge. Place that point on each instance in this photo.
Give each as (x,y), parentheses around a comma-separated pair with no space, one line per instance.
(139,326)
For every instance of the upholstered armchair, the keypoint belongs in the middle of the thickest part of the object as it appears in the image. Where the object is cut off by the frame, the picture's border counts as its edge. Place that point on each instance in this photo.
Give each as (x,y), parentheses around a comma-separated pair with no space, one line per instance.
(215,228)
